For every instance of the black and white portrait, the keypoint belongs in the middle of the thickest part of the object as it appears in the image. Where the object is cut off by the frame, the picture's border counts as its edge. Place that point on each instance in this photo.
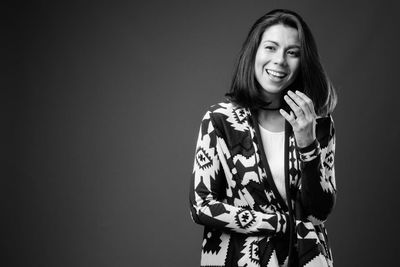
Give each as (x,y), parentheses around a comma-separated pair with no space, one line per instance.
(199,133)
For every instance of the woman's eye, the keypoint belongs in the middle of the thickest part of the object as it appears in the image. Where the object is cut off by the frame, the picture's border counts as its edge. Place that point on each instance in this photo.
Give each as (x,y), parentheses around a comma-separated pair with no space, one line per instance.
(293,53)
(270,48)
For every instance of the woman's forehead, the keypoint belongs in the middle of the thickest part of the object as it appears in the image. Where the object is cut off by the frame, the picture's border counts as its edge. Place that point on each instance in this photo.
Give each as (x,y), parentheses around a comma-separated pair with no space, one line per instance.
(281,34)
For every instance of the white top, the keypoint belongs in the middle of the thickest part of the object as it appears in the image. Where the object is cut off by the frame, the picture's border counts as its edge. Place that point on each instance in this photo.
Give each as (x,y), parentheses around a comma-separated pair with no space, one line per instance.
(274,147)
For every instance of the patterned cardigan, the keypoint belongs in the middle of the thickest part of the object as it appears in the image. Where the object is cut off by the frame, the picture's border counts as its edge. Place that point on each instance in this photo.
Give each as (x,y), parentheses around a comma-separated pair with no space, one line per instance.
(246,221)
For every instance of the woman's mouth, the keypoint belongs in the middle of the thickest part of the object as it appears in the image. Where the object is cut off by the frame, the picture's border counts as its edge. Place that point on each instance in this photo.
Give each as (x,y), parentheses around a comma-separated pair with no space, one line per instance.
(276,75)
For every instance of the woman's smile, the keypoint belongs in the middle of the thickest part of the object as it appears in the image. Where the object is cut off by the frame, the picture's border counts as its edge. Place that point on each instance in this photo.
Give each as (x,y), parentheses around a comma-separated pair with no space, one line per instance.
(275,74)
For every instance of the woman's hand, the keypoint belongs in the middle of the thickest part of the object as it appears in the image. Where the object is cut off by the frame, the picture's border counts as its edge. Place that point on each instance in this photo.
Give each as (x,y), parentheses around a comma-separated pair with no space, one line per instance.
(302,117)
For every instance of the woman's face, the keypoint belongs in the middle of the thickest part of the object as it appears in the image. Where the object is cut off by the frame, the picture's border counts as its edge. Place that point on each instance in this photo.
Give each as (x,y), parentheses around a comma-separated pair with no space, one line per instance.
(277,59)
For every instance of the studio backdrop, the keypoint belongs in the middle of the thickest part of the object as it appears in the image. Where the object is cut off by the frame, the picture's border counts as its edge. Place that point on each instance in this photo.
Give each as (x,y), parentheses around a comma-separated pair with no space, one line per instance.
(102,102)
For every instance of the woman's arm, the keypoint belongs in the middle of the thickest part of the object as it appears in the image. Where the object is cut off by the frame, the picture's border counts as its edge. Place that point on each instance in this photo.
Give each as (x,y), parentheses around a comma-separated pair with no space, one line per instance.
(208,187)
(318,189)
(318,186)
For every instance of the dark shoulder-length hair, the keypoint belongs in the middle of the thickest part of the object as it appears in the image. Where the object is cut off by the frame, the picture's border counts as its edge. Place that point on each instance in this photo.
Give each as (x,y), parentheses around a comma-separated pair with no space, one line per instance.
(311,79)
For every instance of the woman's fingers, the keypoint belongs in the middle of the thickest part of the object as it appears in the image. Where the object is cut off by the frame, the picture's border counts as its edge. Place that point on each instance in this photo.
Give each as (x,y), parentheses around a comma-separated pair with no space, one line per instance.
(289,117)
(301,117)
(296,109)
(301,103)
(308,101)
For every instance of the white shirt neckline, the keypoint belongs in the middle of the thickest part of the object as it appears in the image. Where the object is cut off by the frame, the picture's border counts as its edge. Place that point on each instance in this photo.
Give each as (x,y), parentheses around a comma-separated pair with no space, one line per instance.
(270,132)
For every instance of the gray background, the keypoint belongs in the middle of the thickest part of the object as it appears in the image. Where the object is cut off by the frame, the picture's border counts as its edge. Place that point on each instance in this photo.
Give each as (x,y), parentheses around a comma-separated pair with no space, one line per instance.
(101,105)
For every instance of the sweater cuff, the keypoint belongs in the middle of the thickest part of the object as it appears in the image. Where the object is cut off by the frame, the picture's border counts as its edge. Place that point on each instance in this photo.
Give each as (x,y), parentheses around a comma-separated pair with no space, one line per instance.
(310,152)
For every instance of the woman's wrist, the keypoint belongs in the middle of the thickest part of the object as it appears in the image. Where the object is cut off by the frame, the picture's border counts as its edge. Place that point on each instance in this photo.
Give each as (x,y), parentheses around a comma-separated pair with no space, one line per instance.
(304,141)
(310,152)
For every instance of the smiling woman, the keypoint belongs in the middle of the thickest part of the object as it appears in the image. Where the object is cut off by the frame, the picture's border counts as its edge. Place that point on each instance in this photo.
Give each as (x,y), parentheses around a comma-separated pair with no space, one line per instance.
(263,181)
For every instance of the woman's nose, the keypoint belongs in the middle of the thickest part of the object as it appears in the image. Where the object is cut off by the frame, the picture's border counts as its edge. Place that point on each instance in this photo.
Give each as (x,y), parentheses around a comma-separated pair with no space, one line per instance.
(279,58)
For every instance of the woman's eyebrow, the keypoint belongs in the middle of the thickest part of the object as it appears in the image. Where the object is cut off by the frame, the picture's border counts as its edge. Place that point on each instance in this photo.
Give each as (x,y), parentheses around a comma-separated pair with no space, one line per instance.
(276,43)
(294,46)
(271,42)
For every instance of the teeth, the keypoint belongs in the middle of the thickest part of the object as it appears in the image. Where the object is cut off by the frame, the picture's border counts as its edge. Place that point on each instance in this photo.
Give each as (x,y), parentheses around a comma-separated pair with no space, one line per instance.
(277,74)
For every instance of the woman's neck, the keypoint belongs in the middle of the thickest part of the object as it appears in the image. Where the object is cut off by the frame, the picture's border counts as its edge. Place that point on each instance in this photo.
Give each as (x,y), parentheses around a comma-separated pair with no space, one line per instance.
(272,120)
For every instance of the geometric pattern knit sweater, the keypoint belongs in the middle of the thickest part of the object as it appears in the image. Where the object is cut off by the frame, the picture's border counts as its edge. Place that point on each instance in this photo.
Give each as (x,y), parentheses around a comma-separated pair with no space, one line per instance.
(232,193)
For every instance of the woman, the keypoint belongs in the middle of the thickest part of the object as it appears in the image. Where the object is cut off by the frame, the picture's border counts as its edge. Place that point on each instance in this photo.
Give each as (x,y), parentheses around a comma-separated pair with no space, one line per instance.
(263,180)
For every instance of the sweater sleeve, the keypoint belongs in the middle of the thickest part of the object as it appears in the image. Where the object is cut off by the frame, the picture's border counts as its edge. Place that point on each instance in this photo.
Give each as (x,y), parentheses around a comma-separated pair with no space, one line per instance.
(209,186)
(318,186)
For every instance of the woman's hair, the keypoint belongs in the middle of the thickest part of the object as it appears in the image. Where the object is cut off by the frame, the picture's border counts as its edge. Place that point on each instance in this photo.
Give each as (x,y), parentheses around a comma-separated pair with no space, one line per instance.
(311,78)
